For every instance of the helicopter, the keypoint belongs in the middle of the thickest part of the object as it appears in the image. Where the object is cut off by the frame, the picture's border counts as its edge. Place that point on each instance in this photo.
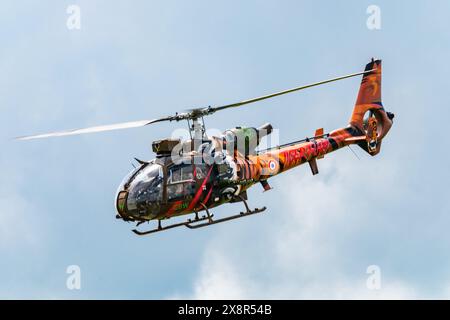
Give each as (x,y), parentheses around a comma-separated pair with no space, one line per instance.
(193,176)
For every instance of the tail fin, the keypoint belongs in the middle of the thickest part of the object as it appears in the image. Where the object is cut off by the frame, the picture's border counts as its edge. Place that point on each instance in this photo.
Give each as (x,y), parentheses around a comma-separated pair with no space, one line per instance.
(370,89)
(369,117)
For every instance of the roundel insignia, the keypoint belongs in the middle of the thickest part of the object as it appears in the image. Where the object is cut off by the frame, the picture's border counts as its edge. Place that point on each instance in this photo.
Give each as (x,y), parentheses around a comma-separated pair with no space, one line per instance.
(273,166)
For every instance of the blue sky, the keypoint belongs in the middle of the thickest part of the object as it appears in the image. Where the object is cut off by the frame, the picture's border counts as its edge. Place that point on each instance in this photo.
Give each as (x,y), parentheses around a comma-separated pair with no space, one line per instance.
(149,59)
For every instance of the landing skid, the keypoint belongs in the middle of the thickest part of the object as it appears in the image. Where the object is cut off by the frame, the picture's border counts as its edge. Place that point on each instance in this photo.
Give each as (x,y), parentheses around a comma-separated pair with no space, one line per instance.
(161,228)
(199,222)
(195,225)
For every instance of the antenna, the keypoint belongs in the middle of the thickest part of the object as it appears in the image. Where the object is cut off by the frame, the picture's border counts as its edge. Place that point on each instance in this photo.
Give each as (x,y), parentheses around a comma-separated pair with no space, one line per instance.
(353,151)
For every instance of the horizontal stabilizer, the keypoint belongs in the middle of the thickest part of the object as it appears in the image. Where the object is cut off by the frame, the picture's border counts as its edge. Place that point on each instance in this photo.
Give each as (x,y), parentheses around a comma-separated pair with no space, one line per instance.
(319,132)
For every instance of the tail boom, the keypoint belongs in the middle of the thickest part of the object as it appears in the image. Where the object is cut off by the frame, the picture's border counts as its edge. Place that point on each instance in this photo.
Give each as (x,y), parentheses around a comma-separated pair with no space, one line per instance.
(366,133)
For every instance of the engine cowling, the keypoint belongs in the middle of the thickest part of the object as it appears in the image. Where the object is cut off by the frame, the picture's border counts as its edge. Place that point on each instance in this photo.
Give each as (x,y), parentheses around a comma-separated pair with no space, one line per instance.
(246,139)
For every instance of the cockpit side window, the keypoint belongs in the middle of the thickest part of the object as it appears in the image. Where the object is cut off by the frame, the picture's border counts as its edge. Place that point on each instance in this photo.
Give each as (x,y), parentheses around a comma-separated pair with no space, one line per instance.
(180,173)
(180,182)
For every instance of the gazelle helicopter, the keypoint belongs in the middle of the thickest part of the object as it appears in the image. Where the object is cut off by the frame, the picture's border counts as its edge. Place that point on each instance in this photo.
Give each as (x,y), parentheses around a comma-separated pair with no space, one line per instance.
(198,174)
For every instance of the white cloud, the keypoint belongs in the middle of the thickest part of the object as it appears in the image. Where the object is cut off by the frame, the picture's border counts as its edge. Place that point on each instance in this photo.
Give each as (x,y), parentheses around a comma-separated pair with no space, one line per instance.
(224,283)
(221,278)
(308,250)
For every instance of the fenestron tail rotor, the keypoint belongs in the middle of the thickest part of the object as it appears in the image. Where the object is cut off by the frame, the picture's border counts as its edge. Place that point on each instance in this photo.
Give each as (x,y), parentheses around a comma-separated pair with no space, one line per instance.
(192,114)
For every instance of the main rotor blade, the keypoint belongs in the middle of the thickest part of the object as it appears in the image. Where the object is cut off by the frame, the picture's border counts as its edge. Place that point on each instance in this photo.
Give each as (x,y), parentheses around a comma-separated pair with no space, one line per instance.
(117,126)
(237,104)
(193,114)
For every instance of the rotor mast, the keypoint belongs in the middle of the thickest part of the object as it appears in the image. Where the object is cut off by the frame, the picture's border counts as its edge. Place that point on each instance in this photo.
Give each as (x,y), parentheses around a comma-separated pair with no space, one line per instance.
(197,128)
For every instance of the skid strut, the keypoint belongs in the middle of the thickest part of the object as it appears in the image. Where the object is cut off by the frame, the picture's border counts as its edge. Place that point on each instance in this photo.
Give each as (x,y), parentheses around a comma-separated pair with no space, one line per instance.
(204,220)
(161,228)
(247,212)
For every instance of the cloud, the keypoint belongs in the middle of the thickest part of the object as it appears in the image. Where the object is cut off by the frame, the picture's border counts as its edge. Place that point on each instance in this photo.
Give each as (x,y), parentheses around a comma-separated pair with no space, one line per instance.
(223,283)
(314,246)
(221,278)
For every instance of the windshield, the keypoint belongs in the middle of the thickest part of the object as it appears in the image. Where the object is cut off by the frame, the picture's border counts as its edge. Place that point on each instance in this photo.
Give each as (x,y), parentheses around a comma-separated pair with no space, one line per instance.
(126,179)
(145,188)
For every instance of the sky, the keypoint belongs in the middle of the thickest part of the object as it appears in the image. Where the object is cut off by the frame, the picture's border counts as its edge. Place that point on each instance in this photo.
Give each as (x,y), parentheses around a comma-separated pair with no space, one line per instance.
(146,59)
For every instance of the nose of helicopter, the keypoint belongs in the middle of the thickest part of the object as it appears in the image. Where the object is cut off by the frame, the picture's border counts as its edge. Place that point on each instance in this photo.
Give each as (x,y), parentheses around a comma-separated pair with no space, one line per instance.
(140,193)
(121,204)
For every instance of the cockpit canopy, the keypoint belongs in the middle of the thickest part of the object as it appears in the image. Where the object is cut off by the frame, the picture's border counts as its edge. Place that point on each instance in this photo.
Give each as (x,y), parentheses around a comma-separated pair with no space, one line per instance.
(156,186)
(142,191)
(146,187)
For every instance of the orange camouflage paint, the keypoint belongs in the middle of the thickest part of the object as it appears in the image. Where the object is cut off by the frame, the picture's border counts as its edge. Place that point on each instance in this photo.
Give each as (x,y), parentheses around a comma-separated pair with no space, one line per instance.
(274,161)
